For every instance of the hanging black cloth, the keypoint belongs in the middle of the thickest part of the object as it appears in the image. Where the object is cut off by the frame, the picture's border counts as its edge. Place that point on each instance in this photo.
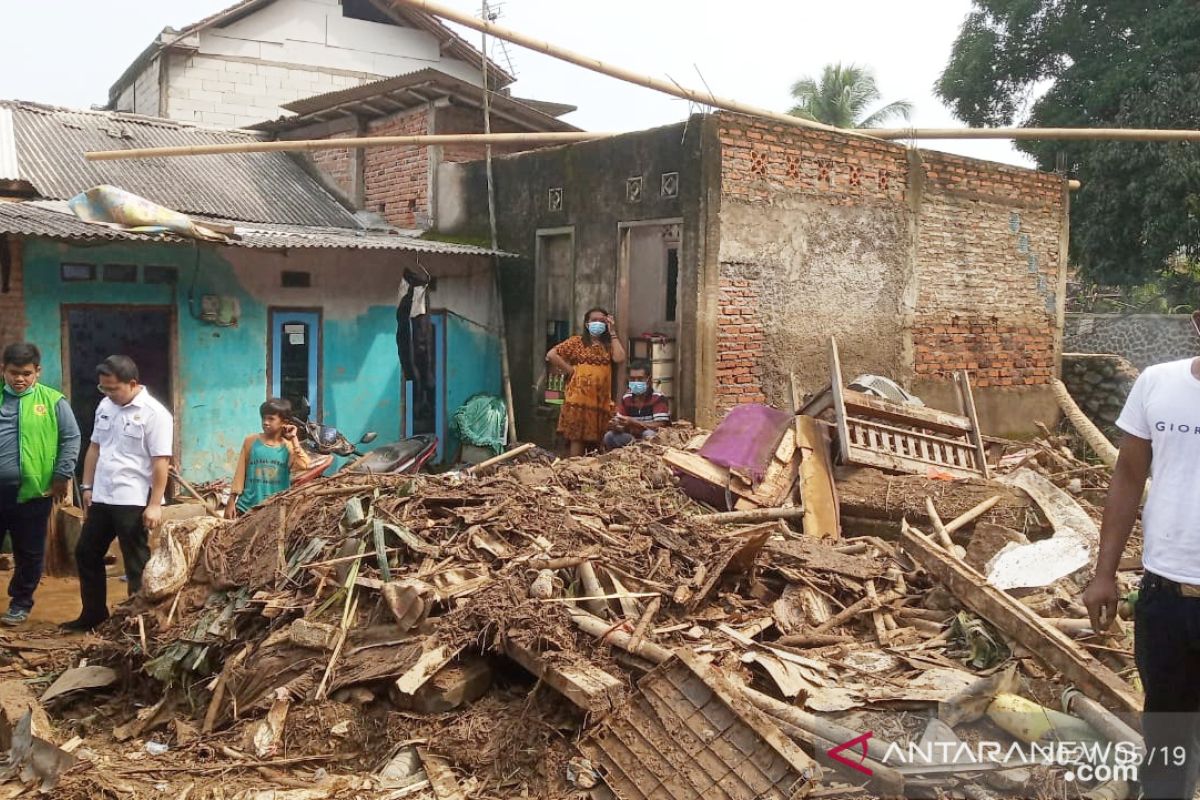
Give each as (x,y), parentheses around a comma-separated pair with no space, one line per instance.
(414,333)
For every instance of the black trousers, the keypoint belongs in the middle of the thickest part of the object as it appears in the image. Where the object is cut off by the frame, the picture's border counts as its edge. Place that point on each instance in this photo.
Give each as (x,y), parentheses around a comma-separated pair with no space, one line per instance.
(25,524)
(1167,650)
(103,524)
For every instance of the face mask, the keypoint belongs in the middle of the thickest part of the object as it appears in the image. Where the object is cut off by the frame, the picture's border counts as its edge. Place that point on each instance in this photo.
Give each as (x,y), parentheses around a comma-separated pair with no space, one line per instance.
(597,328)
(638,387)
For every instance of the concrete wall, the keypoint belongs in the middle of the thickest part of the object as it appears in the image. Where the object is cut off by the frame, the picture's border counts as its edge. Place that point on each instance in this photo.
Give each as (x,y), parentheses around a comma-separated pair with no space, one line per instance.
(592,178)
(222,373)
(242,73)
(1143,339)
(143,95)
(919,263)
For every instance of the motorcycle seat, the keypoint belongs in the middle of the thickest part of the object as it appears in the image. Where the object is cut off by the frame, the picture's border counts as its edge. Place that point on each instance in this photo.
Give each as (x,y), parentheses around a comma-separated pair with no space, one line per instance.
(392,458)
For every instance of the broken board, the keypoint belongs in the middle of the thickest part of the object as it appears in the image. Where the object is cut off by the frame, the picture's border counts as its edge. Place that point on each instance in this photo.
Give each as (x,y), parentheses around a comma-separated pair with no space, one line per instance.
(590,688)
(1020,623)
(817,489)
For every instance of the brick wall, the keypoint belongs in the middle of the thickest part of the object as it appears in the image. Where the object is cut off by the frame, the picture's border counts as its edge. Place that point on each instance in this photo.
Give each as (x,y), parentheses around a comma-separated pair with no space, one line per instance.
(457,119)
(12,298)
(814,242)
(337,165)
(396,179)
(761,159)
(987,272)
(918,266)
(739,341)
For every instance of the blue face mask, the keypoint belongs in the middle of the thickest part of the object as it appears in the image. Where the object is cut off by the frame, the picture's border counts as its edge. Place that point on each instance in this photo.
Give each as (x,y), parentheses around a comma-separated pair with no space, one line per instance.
(638,387)
(597,328)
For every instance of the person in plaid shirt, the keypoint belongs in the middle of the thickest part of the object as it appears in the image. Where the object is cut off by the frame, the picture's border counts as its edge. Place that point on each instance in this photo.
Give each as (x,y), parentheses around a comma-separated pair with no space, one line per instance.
(641,411)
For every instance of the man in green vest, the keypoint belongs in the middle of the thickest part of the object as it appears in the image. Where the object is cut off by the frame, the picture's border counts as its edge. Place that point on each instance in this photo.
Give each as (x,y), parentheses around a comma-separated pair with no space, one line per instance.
(39,444)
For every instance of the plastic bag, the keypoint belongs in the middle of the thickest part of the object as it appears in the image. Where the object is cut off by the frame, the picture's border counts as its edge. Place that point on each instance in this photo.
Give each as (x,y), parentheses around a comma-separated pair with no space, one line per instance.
(171,564)
(483,422)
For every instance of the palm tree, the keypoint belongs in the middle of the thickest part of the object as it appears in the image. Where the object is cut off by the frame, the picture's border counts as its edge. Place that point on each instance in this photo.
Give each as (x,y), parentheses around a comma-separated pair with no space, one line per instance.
(841,98)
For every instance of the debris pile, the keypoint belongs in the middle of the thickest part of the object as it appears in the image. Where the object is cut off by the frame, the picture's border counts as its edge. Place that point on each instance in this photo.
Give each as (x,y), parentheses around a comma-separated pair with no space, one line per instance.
(587,628)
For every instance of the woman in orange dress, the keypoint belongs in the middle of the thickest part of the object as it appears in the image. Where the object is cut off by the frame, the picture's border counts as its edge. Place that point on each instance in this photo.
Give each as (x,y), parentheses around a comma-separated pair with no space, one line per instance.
(587,361)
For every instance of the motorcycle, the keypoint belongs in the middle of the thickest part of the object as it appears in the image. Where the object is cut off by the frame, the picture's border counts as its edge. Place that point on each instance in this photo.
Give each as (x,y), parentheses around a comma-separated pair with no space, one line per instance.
(324,442)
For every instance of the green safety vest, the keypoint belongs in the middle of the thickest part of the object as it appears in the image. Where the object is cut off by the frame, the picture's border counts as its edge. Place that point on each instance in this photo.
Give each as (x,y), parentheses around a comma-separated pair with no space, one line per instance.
(38,427)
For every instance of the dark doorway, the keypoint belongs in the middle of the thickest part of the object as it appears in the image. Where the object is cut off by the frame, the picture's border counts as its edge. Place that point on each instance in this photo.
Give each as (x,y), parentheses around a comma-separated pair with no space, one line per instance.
(144,333)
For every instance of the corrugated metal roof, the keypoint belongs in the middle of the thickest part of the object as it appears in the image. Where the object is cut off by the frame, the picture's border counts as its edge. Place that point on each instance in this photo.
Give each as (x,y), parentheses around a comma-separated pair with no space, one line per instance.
(10,169)
(412,89)
(253,187)
(47,220)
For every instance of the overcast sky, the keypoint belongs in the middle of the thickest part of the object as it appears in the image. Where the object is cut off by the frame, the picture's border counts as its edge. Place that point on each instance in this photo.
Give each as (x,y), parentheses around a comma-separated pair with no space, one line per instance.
(68,52)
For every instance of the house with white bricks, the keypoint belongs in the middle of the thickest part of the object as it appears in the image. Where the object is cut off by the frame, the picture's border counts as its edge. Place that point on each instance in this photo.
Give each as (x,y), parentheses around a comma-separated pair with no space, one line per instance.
(238,67)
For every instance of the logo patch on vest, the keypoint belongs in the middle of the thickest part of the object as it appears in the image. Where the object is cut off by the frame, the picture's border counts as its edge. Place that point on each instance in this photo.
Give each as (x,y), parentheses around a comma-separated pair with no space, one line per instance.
(40,409)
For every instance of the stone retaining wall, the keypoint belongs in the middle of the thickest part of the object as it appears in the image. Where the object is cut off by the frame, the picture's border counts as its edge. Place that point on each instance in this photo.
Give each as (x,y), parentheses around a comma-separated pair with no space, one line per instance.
(1143,339)
(1099,383)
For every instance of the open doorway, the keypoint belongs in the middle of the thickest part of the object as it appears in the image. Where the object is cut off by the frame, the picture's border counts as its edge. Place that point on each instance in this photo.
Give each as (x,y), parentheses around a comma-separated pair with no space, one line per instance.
(93,333)
(648,296)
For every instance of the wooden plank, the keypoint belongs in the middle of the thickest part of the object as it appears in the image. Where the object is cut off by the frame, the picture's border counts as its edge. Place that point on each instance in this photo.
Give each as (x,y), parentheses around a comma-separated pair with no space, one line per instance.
(858,403)
(427,665)
(700,467)
(822,518)
(839,400)
(442,780)
(968,400)
(1022,624)
(588,687)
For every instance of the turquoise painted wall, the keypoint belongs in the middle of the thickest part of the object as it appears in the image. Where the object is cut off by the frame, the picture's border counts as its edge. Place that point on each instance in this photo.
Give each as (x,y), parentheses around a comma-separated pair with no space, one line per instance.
(222,372)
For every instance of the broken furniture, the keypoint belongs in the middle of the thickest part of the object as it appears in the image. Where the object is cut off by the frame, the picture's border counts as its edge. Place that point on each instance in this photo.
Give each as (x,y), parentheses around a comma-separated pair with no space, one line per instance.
(872,432)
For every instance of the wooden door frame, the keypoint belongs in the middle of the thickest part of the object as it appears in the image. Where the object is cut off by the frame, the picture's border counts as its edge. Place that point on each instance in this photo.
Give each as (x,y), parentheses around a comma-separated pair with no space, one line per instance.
(172,354)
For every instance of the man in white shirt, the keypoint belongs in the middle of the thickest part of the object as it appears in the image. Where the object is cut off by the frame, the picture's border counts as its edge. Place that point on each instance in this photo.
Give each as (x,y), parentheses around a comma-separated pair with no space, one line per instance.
(124,480)
(1161,421)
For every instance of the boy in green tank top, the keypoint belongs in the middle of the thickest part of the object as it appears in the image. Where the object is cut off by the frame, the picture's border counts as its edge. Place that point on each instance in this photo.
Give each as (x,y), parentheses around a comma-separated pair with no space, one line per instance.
(267,459)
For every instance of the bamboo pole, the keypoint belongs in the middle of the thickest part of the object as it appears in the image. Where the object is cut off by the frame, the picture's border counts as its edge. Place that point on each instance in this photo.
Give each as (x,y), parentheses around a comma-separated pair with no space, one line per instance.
(611,70)
(303,145)
(1096,440)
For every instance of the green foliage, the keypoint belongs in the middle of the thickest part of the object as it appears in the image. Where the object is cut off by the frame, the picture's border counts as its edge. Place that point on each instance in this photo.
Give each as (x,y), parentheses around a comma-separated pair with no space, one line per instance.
(1081,63)
(841,97)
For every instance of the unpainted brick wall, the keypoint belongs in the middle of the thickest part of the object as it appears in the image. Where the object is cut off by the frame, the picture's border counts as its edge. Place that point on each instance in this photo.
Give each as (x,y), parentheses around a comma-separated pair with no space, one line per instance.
(761,159)
(396,179)
(12,297)
(987,271)
(980,294)
(338,165)
(739,341)
(456,119)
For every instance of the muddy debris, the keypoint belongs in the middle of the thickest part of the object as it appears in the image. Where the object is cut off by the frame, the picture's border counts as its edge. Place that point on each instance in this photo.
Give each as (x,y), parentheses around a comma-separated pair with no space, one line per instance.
(510,634)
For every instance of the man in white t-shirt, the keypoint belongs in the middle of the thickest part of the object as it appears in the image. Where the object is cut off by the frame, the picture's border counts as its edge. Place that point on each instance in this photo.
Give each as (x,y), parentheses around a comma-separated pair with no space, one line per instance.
(1161,421)
(124,480)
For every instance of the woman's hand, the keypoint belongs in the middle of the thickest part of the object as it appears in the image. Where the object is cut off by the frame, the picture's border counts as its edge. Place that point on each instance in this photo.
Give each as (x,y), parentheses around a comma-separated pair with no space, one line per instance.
(612,325)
